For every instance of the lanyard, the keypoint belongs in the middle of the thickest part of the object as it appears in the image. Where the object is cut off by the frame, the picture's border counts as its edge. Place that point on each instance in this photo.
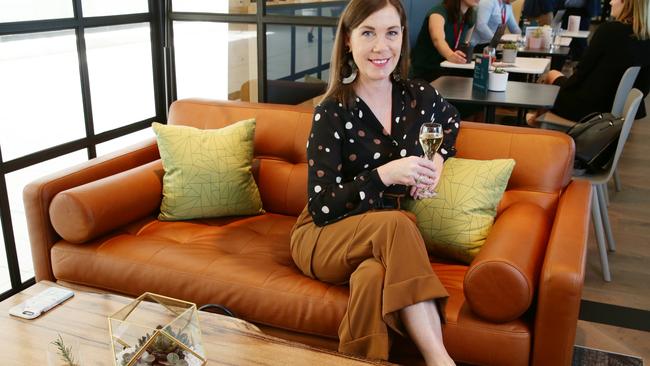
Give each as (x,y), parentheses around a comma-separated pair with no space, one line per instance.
(503,13)
(458,32)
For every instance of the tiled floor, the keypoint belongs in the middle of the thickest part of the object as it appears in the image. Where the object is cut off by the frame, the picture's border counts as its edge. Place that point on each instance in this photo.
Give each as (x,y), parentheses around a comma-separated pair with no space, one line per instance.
(614,339)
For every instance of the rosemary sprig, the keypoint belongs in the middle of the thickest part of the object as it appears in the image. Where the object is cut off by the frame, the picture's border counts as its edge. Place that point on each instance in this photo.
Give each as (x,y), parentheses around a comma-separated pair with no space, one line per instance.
(64,352)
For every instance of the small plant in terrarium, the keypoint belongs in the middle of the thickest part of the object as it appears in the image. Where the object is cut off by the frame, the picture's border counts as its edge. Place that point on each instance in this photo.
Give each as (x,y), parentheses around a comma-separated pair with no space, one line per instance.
(510,46)
(160,351)
(499,70)
(538,32)
(156,330)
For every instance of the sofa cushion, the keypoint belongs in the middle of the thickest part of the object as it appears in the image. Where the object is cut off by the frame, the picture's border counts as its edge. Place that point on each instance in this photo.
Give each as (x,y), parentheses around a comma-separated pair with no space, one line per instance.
(240,262)
(500,284)
(456,222)
(280,166)
(207,172)
(245,263)
(89,210)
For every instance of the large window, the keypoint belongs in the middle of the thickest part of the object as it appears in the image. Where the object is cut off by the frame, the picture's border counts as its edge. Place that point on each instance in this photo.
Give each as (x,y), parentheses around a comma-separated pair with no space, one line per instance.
(121,76)
(40,98)
(21,10)
(218,55)
(214,60)
(75,81)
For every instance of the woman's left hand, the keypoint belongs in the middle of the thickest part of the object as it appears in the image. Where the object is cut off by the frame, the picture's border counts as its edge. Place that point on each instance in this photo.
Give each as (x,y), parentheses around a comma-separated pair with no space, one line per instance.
(422,191)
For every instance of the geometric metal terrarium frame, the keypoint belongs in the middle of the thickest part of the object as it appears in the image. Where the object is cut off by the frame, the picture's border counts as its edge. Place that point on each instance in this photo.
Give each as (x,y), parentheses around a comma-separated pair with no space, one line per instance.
(155,328)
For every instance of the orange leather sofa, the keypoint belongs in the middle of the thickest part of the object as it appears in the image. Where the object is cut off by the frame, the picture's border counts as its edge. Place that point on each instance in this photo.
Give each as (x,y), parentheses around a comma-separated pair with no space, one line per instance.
(517,304)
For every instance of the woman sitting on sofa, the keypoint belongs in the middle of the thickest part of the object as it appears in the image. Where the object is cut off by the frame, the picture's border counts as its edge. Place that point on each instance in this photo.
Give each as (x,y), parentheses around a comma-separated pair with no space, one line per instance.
(614,47)
(364,158)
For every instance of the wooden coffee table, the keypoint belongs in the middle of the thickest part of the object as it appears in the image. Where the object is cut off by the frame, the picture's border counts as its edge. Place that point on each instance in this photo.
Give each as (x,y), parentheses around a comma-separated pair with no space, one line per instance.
(227,341)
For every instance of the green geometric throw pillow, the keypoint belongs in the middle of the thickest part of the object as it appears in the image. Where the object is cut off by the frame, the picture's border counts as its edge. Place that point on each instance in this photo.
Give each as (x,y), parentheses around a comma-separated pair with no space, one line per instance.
(207,172)
(456,222)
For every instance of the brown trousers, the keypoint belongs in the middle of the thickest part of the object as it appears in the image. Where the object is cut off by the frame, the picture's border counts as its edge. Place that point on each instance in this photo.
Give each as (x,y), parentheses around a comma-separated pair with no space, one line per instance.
(382,256)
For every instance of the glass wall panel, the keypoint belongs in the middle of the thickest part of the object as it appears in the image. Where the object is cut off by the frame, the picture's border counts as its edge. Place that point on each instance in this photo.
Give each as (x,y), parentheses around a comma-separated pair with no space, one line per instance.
(21,10)
(40,94)
(121,75)
(297,54)
(16,181)
(325,8)
(93,8)
(215,6)
(124,141)
(216,60)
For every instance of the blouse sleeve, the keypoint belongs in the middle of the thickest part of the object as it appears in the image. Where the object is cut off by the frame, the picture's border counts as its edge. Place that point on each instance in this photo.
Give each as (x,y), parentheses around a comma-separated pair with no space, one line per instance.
(447,115)
(332,198)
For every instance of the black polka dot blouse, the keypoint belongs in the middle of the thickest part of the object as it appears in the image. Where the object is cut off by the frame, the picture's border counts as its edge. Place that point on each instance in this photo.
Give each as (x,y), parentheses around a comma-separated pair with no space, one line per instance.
(346,146)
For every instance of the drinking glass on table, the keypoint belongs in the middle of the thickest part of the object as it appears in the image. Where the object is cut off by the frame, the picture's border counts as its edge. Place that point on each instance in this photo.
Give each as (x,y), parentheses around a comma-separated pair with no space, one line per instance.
(555,36)
(430,139)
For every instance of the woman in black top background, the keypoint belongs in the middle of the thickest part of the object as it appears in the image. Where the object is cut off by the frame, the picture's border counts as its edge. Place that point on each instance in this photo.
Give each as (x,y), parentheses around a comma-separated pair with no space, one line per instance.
(614,47)
(363,159)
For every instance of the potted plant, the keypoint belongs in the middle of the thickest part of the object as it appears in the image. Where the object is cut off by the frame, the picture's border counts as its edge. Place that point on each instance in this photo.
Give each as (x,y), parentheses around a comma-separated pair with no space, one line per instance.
(497,80)
(535,40)
(509,53)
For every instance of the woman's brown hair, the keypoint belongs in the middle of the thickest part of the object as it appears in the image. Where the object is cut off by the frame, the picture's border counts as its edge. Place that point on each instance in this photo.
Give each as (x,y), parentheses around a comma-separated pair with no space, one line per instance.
(453,11)
(354,14)
(637,13)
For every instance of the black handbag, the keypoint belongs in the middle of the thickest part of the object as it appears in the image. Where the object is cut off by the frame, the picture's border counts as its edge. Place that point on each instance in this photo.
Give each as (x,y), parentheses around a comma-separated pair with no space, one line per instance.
(596,138)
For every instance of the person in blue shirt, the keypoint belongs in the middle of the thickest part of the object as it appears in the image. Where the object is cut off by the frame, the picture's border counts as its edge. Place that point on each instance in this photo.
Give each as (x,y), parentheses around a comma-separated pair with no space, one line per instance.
(492,13)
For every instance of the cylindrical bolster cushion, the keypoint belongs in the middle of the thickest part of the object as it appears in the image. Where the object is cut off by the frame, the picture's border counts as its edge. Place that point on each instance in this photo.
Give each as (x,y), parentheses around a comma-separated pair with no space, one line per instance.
(87,211)
(501,281)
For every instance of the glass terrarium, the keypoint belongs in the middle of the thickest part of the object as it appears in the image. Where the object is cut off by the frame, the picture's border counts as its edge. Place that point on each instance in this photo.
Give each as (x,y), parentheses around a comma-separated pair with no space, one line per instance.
(157,330)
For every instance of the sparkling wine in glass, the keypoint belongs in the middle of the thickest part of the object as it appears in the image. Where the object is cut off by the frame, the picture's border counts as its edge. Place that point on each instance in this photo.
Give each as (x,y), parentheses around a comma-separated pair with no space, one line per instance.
(430,138)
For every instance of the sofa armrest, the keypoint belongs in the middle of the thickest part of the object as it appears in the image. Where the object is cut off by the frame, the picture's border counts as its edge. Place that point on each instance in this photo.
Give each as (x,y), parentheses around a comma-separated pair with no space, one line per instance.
(501,282)
(38,195)
(562,278)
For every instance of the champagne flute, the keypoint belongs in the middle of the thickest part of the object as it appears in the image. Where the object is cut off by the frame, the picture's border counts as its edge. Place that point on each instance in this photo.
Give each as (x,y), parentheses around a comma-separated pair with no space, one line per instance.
(431,137)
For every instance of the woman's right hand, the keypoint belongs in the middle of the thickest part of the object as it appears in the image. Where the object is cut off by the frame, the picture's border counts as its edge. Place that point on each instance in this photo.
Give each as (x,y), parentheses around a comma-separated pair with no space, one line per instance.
(408,171)
(457,57)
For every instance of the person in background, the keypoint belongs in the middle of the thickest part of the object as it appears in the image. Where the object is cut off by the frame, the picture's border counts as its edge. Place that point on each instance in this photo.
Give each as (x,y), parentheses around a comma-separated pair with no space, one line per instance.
(614,47)
(444,30)
(581,8)
(363,158)
(490,14)
(541,11)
